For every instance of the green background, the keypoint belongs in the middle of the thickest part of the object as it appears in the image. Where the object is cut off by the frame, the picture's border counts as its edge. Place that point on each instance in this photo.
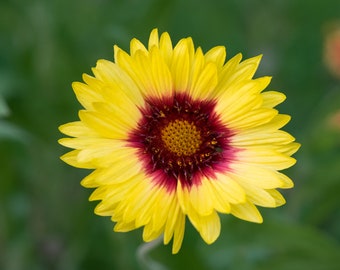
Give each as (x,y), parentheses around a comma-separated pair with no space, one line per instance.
(46,221)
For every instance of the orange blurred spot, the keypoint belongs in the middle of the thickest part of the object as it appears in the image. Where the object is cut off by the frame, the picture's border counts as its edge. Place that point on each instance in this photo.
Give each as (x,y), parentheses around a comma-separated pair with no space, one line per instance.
(332,50)
(334,120)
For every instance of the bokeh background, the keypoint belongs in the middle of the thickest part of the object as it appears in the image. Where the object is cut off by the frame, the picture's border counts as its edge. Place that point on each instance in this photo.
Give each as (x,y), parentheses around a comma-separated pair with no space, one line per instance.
(46,221)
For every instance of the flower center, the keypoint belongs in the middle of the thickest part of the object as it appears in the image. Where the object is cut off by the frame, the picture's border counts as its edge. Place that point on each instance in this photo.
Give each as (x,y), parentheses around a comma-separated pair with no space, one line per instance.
(181,137)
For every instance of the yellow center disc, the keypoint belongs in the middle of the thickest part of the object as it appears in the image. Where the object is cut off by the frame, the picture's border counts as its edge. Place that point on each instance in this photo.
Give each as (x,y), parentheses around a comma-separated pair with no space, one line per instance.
(181,137)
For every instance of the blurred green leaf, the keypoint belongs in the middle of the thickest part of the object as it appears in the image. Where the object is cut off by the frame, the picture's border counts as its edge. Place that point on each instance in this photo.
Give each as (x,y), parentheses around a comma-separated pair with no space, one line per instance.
(4,110)
(11,131)
(272,245)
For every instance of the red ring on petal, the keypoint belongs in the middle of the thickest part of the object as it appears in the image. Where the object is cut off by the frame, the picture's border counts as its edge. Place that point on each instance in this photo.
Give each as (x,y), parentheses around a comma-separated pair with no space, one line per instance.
(165,167)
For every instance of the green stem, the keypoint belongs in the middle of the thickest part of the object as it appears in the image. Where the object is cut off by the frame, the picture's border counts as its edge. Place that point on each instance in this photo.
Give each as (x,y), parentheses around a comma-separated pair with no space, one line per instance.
(143,255)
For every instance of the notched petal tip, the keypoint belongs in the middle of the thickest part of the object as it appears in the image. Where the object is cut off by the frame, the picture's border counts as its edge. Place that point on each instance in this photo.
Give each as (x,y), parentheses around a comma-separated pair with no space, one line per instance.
(277,196)
(216,55)
(262,82)
(135,46)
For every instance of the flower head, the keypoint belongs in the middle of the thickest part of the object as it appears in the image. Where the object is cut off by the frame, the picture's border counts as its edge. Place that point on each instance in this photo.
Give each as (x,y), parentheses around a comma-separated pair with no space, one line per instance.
(172,132)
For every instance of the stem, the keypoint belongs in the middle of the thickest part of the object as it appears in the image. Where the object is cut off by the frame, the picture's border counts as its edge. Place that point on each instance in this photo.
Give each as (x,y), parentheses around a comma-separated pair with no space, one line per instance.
(143,253)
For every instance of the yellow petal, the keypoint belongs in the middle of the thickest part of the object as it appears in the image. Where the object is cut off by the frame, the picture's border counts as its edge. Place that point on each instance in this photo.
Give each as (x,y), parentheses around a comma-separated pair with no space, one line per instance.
(234,72)
(122,109)
(136,203)
(248,67)
(232,112)
(153,40)
(246,211)
(99,193)
(277,137)
(255,194)
(161,76)
(174,213)
(276,123)
(98,151)
(209,226)
(220,202)
(252,119)
(286,181)
(165,47)
(112,194)
(86,95)
(123,94)
(84,142)
(77,129)
(149,234)
(124,227)
(258,176)
(201,198)
(105,209)
(108,127)
(288,149)
(135,46)
(216,55)
(205,83)
(178,233)
(139,69)
(196,66)
(229,189)
(106,71)
(148,205)
(183,197)
(279,199)
(180,66)
(71,158)
(118,82)
(272,98)
(120,167)
(240,99)
(94,83)
(163,213)
(227,73)
(266,158)
(131,67)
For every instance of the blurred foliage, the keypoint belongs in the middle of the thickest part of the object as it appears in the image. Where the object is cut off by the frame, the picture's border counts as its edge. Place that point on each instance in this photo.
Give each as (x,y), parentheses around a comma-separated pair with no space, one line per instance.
(46,221)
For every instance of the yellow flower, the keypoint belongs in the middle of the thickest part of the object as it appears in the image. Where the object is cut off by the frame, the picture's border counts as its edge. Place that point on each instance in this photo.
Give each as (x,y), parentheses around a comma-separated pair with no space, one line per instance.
(172,133)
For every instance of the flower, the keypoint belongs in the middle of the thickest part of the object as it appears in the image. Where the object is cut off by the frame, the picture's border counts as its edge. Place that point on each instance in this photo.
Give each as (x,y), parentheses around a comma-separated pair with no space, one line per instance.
(172,133)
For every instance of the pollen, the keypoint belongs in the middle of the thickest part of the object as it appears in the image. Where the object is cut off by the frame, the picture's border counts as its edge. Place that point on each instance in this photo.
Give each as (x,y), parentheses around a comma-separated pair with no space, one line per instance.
(181,137)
